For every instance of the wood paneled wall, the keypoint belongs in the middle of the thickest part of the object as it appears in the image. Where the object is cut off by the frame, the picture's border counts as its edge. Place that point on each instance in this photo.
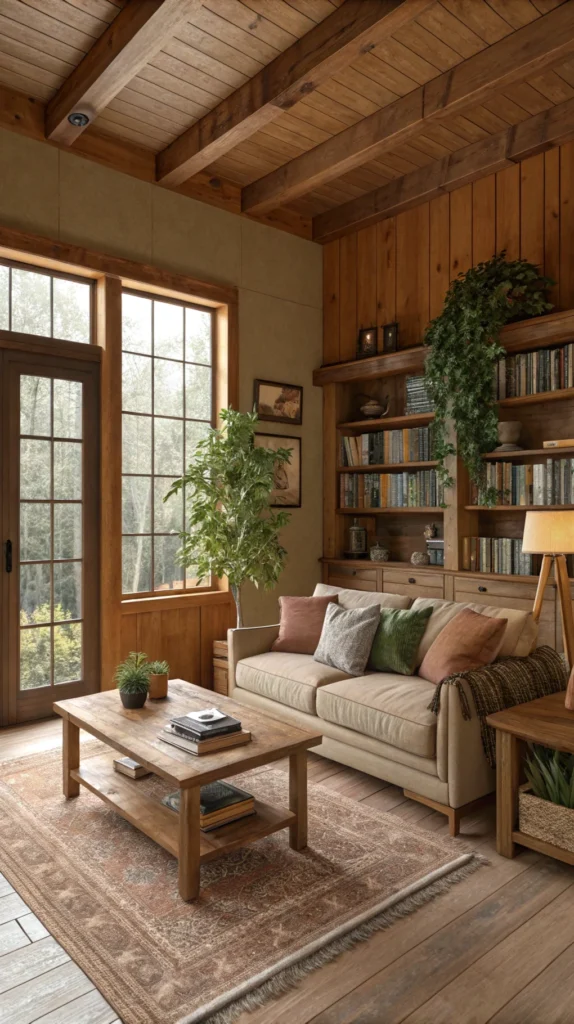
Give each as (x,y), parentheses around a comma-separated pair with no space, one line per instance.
(400,268)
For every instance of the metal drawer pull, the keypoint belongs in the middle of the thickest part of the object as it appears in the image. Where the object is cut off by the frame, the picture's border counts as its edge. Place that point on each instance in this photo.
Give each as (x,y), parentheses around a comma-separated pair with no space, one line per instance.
(482,590)
(412,579)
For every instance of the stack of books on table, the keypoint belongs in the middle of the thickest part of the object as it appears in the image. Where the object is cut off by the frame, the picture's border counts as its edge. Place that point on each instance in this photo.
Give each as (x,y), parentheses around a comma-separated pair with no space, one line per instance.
(220,804)
(205,732)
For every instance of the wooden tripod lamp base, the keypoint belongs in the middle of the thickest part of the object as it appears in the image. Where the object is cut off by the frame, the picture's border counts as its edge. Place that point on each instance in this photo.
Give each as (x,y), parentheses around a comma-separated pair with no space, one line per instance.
(551,534)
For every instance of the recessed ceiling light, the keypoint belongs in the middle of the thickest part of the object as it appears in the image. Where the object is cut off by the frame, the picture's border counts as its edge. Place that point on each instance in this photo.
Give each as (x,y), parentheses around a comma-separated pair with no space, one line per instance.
(78,119)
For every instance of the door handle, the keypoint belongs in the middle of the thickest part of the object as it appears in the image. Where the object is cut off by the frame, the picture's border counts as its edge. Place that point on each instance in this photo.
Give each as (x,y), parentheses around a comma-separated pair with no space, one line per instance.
(8,556)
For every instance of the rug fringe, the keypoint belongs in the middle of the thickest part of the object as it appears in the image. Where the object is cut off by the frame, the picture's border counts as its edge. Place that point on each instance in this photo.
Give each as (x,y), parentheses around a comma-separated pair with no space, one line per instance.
(289,977)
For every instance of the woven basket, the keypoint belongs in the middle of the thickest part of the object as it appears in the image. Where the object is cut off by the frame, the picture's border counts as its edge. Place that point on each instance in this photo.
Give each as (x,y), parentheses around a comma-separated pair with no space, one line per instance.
(544,820)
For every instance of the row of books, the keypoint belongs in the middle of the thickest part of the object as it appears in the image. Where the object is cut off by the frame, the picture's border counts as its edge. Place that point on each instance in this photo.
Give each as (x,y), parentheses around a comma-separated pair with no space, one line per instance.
(388,447)
(418,398)
(435,551)
(541,483)
(391,490)
(529,373)
(502,555)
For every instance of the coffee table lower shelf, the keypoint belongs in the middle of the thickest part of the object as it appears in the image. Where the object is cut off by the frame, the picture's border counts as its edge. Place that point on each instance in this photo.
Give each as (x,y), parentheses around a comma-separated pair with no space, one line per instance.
(162,825)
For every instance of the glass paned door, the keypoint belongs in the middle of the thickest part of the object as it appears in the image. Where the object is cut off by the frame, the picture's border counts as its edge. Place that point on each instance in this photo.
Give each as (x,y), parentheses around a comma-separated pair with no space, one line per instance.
(50,524)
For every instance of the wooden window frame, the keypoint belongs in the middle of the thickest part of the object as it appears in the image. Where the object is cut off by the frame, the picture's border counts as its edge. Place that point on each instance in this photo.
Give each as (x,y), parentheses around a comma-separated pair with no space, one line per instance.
(111,274)
(212,584)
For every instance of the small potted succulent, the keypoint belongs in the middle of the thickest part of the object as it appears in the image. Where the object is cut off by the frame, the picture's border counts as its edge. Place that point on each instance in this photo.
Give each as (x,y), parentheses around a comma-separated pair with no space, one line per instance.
(132,680)
(158,674)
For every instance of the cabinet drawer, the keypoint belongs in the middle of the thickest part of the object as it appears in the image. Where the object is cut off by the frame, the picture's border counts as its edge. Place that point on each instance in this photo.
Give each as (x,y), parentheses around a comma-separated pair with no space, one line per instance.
(351,583)
(413,590)
(352,571)
(413,578)
(473,585)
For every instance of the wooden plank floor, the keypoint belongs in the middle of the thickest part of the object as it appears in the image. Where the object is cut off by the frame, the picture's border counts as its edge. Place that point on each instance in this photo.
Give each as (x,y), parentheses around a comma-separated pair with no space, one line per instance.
(497,948)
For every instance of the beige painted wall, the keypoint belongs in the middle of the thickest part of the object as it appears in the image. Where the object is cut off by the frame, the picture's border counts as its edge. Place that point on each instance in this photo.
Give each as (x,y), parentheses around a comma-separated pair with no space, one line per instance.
(53,193)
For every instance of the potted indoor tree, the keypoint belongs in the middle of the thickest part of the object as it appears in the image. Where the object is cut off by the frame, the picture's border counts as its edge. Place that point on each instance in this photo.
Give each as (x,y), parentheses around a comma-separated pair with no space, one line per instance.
(158,676)
(132,680)
(232,530)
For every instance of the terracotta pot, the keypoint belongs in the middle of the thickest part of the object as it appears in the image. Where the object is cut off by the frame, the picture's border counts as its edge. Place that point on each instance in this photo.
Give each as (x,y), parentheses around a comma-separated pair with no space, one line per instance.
(157,686)
(133,700)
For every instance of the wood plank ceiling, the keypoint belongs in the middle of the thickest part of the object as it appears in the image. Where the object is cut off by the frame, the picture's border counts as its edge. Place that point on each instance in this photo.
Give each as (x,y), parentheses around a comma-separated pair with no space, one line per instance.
(340,123)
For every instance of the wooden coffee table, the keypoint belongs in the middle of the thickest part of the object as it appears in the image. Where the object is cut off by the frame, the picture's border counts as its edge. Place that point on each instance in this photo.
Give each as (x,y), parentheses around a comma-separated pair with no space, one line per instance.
(135,734)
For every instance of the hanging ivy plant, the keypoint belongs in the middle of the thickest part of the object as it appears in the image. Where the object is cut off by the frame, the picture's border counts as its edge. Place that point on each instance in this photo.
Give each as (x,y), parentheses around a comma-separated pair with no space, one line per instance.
(464,350)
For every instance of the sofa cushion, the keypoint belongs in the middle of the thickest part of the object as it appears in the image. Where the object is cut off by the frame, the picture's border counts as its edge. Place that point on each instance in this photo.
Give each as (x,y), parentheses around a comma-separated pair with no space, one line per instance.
(290,679)
(468,642)
(301,623)
(347,637)
(389,707)
(362,598)
(397,640)
(519,636)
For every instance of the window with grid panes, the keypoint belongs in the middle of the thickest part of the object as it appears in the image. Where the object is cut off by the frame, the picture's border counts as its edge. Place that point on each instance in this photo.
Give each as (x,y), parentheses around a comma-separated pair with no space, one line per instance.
(34,301)
(167,406)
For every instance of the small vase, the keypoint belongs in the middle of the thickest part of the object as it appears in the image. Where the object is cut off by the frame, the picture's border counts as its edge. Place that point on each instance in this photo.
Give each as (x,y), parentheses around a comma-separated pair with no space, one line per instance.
(133,700)
(379,554)
(157,686)
(509,432)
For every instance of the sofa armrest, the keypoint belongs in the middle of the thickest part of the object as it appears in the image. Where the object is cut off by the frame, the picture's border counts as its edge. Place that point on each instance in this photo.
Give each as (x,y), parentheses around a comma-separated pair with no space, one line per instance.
(246,642)
(468,772)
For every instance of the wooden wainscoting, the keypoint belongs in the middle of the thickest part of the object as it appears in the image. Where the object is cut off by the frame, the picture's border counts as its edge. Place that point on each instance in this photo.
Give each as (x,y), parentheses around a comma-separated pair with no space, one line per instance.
(179,629)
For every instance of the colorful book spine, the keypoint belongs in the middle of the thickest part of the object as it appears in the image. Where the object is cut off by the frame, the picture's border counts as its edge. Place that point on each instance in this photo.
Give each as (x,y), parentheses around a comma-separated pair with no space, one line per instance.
(500,555)
(531,373)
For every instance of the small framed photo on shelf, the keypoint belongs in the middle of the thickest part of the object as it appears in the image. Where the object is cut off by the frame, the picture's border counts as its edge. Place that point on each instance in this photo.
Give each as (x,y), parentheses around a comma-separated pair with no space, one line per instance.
(367,342)
(390,337)
(278,403)
(287,490)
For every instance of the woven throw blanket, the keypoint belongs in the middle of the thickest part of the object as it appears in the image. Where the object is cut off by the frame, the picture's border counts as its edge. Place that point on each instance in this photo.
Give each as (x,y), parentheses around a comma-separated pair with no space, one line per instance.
(503,684)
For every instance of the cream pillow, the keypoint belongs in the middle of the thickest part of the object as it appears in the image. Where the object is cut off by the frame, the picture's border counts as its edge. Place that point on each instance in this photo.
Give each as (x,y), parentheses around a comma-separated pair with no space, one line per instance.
(361,598)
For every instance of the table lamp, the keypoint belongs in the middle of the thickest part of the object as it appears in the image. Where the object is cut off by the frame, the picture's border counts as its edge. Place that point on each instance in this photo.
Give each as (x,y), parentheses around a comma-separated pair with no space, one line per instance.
(551,534)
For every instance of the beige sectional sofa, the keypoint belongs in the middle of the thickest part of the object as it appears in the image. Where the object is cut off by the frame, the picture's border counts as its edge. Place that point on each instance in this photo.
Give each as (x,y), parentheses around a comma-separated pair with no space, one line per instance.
(379,722)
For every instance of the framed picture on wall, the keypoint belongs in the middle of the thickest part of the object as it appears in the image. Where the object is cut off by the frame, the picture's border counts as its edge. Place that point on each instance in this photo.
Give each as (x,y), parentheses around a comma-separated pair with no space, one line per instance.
(287,490)
(278,403)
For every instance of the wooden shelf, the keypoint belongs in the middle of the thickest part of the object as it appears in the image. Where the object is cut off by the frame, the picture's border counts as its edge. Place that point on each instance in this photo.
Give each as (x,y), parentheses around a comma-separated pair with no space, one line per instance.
(539,332)
(387,511)
(387,467)
(389,422)
(162,825)
(560,395)
(390,364)
(518,508)
(527,453)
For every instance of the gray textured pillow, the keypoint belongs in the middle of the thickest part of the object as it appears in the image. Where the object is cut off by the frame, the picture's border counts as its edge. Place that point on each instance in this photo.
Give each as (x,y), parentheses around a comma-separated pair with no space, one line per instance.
(347,637)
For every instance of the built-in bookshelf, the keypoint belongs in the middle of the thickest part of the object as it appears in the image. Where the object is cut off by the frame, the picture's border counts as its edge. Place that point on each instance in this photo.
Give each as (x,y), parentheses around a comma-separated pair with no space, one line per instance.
(540,359)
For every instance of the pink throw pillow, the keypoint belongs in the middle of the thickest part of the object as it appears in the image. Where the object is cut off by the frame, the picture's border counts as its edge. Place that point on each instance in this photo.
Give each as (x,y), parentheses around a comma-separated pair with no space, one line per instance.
(469,641)
(301,623)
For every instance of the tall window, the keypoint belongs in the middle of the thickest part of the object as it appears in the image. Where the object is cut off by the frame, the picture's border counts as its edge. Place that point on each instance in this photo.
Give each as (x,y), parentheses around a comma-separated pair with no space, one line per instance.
(167,387)
(50,305)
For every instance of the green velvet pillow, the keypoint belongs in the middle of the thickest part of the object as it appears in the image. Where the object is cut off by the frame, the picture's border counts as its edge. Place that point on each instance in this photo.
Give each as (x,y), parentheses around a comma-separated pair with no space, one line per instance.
(397,640)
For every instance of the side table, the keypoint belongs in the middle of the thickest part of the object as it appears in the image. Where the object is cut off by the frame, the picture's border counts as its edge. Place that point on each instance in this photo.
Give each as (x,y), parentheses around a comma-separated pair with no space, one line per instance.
(544,721)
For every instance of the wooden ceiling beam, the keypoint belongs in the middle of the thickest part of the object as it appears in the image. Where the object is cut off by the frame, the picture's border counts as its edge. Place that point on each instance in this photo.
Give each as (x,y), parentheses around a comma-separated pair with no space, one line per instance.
(354,29)
(542,131)
(541,44)
(137,33)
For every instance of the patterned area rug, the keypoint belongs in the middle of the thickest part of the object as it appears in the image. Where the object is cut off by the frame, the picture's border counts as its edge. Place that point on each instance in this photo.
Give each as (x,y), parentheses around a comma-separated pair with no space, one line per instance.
(266,914)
